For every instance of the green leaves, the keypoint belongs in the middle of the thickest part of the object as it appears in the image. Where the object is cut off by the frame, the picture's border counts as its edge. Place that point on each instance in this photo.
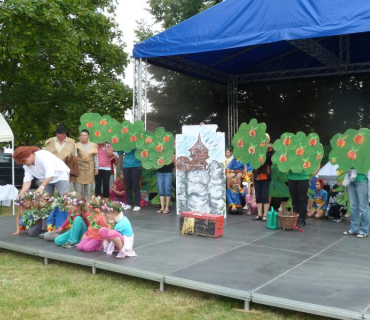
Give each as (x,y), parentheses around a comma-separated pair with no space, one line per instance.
(154,150)
(351,150)
(125,136)
(299,153)
(250,143)
(63,59)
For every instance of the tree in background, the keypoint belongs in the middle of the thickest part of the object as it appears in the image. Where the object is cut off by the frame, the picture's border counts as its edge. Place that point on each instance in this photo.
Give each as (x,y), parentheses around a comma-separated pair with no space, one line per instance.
(58,60)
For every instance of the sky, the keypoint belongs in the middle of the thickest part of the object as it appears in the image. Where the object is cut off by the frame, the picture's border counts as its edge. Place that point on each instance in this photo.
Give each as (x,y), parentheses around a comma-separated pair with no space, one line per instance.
(127,13)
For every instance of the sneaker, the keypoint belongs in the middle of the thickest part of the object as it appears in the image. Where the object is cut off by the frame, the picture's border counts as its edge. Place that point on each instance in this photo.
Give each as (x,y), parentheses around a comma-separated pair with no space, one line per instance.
(120,255)
(337,220)
(245,207)
(349,232)
(127,207)
(42,235)
(69,245)
(362,235)
(136,209)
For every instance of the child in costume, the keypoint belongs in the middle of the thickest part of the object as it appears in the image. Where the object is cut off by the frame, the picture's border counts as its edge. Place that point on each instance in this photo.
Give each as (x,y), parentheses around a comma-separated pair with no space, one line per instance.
(119,234)
(41,211)
(117,190)
(77,217)
(91,241)
(320,201)
(234,197)
(57,216)
(250,200)
(24,205)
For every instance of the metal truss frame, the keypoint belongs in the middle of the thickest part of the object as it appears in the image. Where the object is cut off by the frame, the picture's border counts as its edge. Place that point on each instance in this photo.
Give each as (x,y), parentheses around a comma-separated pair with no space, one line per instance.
(184,64)
(232,110)
(332,65)
(139,99)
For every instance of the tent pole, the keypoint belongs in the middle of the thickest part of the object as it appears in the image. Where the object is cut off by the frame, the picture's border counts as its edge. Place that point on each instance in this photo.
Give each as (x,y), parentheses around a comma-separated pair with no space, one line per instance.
(13,174)
(145,88)
(134,91)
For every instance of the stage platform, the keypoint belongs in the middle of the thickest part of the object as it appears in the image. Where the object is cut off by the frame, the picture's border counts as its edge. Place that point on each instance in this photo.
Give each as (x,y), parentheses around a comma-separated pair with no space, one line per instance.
(320,271)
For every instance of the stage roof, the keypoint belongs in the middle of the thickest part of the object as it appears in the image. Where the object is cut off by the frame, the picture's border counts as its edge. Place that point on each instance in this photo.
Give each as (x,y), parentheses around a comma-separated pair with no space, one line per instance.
(257,40)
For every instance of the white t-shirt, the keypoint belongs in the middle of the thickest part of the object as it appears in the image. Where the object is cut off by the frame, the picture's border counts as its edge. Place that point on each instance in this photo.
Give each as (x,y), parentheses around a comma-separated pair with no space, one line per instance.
(46,165)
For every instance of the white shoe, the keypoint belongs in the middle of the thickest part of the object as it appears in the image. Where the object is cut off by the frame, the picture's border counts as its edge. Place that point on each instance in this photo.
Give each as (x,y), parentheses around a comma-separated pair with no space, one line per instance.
(245,207)
(127,207)
(136,209)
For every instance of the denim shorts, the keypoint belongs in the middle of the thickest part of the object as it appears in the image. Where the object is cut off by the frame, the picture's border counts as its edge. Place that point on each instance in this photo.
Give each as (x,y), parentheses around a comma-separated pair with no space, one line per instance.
(164,183)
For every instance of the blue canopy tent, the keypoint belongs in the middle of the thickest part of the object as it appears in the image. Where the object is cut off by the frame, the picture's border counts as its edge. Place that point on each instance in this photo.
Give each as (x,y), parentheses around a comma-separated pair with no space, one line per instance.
(242,41)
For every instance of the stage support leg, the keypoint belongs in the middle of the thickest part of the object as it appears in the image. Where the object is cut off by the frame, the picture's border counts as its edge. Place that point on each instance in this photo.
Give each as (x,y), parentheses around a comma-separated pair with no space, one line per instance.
(161,286)
(246,305)
(94,270)
(46,261)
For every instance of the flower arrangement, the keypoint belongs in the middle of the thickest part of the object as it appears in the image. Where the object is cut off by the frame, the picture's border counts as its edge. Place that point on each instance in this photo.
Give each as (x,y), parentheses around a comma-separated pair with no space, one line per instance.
(96,204)
(74,199)
(113,206)
(26,196)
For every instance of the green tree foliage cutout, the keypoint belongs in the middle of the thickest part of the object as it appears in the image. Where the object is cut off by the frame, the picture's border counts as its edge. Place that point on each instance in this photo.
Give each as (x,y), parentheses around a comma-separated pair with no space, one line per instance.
(250,143)
(298,152)
(351,150)
(126,135)
(278,188)
(156,149)
(99,127)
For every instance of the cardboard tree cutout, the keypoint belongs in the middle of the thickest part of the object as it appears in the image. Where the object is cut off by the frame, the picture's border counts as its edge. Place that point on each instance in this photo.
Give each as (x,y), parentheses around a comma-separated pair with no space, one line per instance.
(99,127)
(250,143)
(298,152)
(351,150)
(278,188)
(126,135)
(156,149)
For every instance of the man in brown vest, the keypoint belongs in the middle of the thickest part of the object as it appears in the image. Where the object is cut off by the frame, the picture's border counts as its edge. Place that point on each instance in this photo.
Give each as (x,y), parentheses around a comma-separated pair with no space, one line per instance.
(61,146)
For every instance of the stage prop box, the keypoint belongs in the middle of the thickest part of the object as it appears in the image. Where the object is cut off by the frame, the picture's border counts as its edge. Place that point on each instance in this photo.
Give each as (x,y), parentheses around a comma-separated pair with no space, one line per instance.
(201,224)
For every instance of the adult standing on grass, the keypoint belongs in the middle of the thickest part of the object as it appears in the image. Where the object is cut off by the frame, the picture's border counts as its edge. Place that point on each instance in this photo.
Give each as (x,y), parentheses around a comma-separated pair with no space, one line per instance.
(43,165)
(60,145)
(88,165)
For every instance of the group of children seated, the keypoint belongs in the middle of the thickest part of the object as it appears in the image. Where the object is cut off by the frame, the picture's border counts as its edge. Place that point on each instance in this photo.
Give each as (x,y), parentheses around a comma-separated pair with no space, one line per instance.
(71,221)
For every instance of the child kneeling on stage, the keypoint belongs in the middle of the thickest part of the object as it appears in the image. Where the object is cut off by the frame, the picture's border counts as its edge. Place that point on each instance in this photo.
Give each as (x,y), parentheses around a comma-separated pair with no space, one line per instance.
(119,234)
(234,197)
(76,222)
(91,241)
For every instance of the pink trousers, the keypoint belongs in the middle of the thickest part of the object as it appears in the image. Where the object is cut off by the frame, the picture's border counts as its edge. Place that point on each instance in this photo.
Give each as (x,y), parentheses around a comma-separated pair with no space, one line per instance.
(109,234)
(249,198)
(89,245)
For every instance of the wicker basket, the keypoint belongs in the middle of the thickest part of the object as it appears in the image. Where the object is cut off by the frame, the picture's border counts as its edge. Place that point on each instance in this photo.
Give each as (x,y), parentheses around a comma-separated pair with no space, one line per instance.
(288,220)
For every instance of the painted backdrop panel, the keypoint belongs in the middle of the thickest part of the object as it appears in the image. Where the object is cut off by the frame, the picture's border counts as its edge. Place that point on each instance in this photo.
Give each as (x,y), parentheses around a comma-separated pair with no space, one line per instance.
(200,170)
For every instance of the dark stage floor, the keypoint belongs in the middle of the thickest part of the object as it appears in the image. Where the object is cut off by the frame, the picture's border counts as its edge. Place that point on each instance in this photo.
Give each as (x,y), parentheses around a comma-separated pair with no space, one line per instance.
(320,271)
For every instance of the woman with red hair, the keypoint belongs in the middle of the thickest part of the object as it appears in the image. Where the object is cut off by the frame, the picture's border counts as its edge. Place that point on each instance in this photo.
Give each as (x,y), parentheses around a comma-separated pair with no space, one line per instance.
(320,201)
(43,165)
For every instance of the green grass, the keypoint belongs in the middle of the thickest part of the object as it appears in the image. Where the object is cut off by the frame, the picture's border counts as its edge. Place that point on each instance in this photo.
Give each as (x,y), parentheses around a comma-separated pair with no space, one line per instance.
(30,290)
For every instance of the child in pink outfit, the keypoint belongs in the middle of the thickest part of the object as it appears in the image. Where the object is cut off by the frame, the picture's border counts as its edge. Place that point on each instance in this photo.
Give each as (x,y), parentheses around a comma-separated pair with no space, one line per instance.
(91,241)
(117,190)
(250,199)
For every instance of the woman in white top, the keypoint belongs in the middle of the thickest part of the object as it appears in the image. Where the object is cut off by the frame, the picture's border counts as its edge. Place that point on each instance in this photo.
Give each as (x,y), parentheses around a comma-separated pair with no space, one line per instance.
(43,165)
